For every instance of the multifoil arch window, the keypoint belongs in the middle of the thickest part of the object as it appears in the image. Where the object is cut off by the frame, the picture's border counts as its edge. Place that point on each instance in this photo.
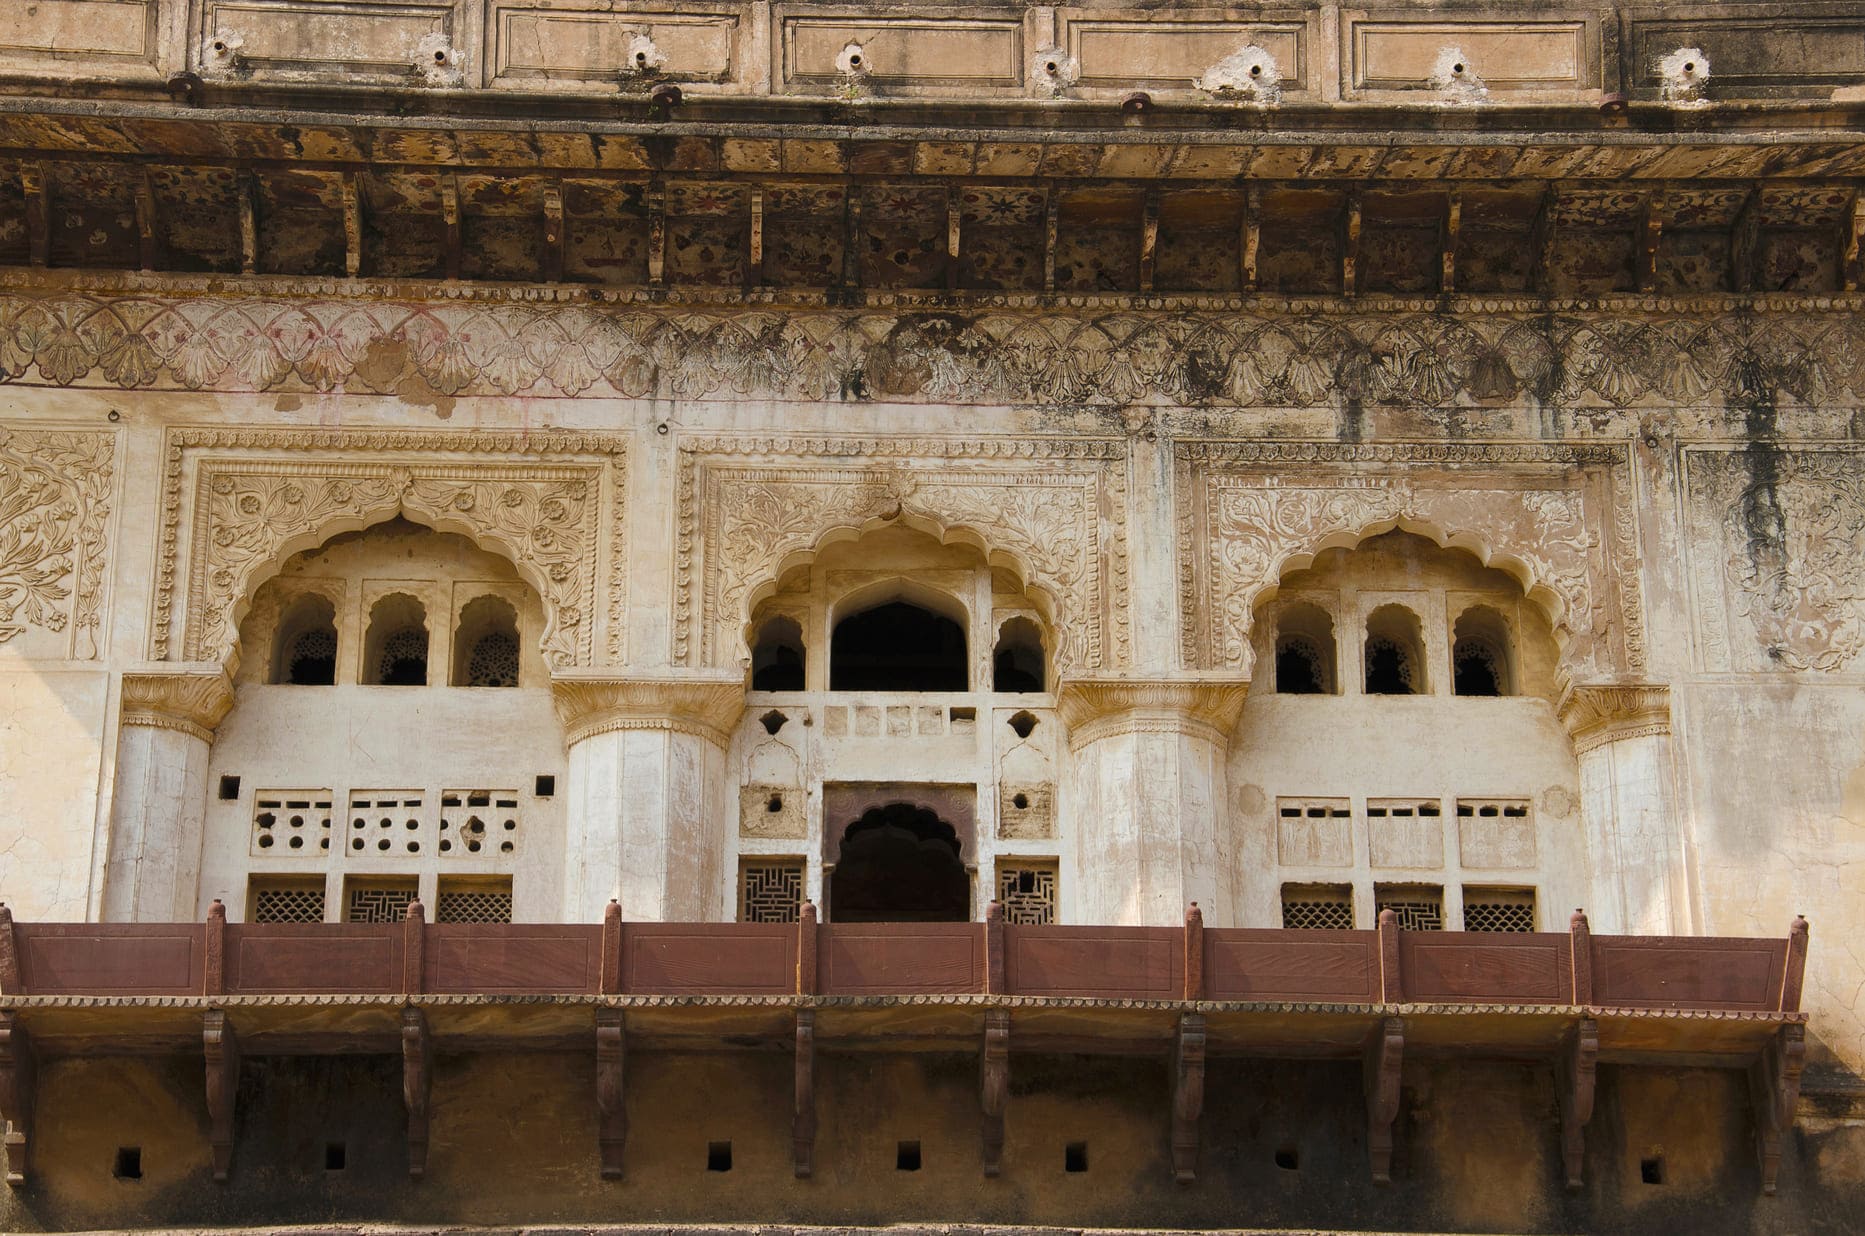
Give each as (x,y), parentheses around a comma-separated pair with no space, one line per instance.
(395,647)
(1305,655)
(1395,652)
(1481,654)
(305,646)
(485,644)
(899,637)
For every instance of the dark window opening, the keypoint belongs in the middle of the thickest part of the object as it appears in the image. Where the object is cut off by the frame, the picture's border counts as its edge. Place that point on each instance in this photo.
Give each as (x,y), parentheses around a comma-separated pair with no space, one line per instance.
(718,1156)
(1298,669)
(900,864)
(229,789)
(897,647)
(128,1165)
(1075,1157)
(907,1157)
(544,786)
(1394,652)
(395,648)
(336,1156)
(1479,653)
(777,658)
(1017,663)
(307,644)
(1651,1171)
(485,644)
(1304,651)
(1288,1160)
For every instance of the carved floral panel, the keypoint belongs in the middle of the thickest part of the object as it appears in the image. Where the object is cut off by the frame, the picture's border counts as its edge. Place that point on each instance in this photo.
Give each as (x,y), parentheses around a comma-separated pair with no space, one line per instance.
(1777,557)
(256,496)
(1055,507)
(55,491)
(1557,517)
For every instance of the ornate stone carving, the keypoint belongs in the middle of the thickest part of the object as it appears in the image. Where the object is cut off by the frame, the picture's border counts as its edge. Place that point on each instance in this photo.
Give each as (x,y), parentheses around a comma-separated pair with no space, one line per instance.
(192,699)
(1056,508)
(1661,352)
(706,703)
(1597,713)
(1533,510)
(1208,704)
(1779,549)
(289,490)
(55,487)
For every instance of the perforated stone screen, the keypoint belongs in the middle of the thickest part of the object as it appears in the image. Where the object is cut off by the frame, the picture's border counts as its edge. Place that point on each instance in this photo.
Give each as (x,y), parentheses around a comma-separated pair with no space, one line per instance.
(478,823)
(1418,908)
(473,903)
(378,902)
(387,822)
(1027,891)
(286,902)
(1499,909)
(1327,907)
(291,823)
(770,890)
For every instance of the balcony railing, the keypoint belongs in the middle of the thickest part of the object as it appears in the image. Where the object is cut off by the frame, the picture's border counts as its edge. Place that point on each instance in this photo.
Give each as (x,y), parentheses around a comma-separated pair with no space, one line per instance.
(1182,992)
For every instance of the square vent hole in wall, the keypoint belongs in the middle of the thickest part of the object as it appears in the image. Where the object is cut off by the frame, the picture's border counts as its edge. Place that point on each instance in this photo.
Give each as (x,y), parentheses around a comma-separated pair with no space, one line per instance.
(473,901)
(285,899)
(291,823)
(1026,888)
(1419,907)
(1499,909)
(1317,907)
(378,900)
(770,890)
(1314,832)
(387,823)
(478,823)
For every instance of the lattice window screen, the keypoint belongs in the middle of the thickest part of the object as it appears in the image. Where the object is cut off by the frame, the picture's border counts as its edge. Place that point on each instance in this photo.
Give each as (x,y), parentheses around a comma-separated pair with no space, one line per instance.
(493,662)
(1326,907)
(1499,909)
(286,901)
(1027,891)
(473,903)
(478,823)
(386,822)
(377,902)
(291,823)
(770,890)
(1419,908)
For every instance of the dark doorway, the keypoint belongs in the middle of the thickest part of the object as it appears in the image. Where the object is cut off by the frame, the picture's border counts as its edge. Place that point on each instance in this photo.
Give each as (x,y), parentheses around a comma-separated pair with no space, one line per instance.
(897,647)
(899,864)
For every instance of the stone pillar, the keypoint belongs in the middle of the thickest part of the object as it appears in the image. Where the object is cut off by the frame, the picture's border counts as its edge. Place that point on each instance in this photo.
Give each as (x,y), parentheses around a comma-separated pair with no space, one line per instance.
(158,812)
(1628,801)
(647,815)
(1147,790)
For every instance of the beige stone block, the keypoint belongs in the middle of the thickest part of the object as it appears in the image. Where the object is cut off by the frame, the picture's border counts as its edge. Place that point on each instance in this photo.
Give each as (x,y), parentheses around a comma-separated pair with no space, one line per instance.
(771,811)
(78,27)
(532,42)
(314,36)
(1403,838)
(1026,812)
(906,51)
(1316,835)
(1141,48)
(1497,839)
(1752,46)
(1561,53)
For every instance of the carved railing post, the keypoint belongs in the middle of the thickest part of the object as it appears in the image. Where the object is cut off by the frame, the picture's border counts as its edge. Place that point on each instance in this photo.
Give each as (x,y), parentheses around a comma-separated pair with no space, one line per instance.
(414,948)
(1194,953)
(1391,979)
(11,981)
(1580,951)
(609,982)
(158,815)
(996,981)
(807,945)
(214,951)
(17,1084)
(222,1048)
(611,1090)
(1794,973)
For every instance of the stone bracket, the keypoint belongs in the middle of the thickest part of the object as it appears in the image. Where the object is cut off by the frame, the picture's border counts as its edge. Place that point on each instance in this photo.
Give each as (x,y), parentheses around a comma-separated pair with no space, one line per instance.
(417,1079)
(1774,1084)
(611,1092)
(222,1048)
(17,1077)
(803,1122)
(1385,1054)
(1187,1096)
(994,1086)
(1576,1076)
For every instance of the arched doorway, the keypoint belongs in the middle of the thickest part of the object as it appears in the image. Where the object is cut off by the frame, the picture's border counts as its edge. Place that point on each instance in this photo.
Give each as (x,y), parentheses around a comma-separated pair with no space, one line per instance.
(899,864)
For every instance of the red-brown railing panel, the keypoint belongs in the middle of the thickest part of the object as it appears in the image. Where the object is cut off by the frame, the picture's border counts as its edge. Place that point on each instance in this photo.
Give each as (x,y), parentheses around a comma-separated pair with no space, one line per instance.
(315,958)
(1136,963)
(1482,967)
(863,959)
(1674,972)
(111,959)
(1301,966)
(709,958)
(549,959)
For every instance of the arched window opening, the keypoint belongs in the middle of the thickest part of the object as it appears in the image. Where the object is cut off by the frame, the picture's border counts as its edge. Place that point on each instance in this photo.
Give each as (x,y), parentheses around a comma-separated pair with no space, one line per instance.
(305,652)
(485,644)
(777,659)
(897,647)
(1480,654)
(1017,664)
(395,649)
(1395,663)
(900,864)
(1304,651)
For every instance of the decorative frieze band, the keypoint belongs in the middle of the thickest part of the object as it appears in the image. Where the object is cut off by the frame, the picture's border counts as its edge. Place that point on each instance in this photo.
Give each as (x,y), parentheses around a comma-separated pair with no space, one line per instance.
(55,492)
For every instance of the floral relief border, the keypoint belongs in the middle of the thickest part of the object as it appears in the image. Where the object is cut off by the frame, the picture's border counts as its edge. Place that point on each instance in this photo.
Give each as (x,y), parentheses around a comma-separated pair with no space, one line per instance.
(1565,514)
(1776,552)
(55,493)
(552,502)
(1058,506)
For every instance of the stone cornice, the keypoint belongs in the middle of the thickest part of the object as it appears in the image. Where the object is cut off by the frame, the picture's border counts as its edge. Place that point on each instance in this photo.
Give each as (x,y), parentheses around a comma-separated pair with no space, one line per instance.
(705,703)
(1204,704)
(1599,713)
(193,699)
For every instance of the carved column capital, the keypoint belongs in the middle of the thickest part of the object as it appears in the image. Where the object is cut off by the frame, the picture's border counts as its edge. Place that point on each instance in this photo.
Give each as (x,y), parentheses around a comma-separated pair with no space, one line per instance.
(1598,713)
(706,703)
(193,699)
(1206,704)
